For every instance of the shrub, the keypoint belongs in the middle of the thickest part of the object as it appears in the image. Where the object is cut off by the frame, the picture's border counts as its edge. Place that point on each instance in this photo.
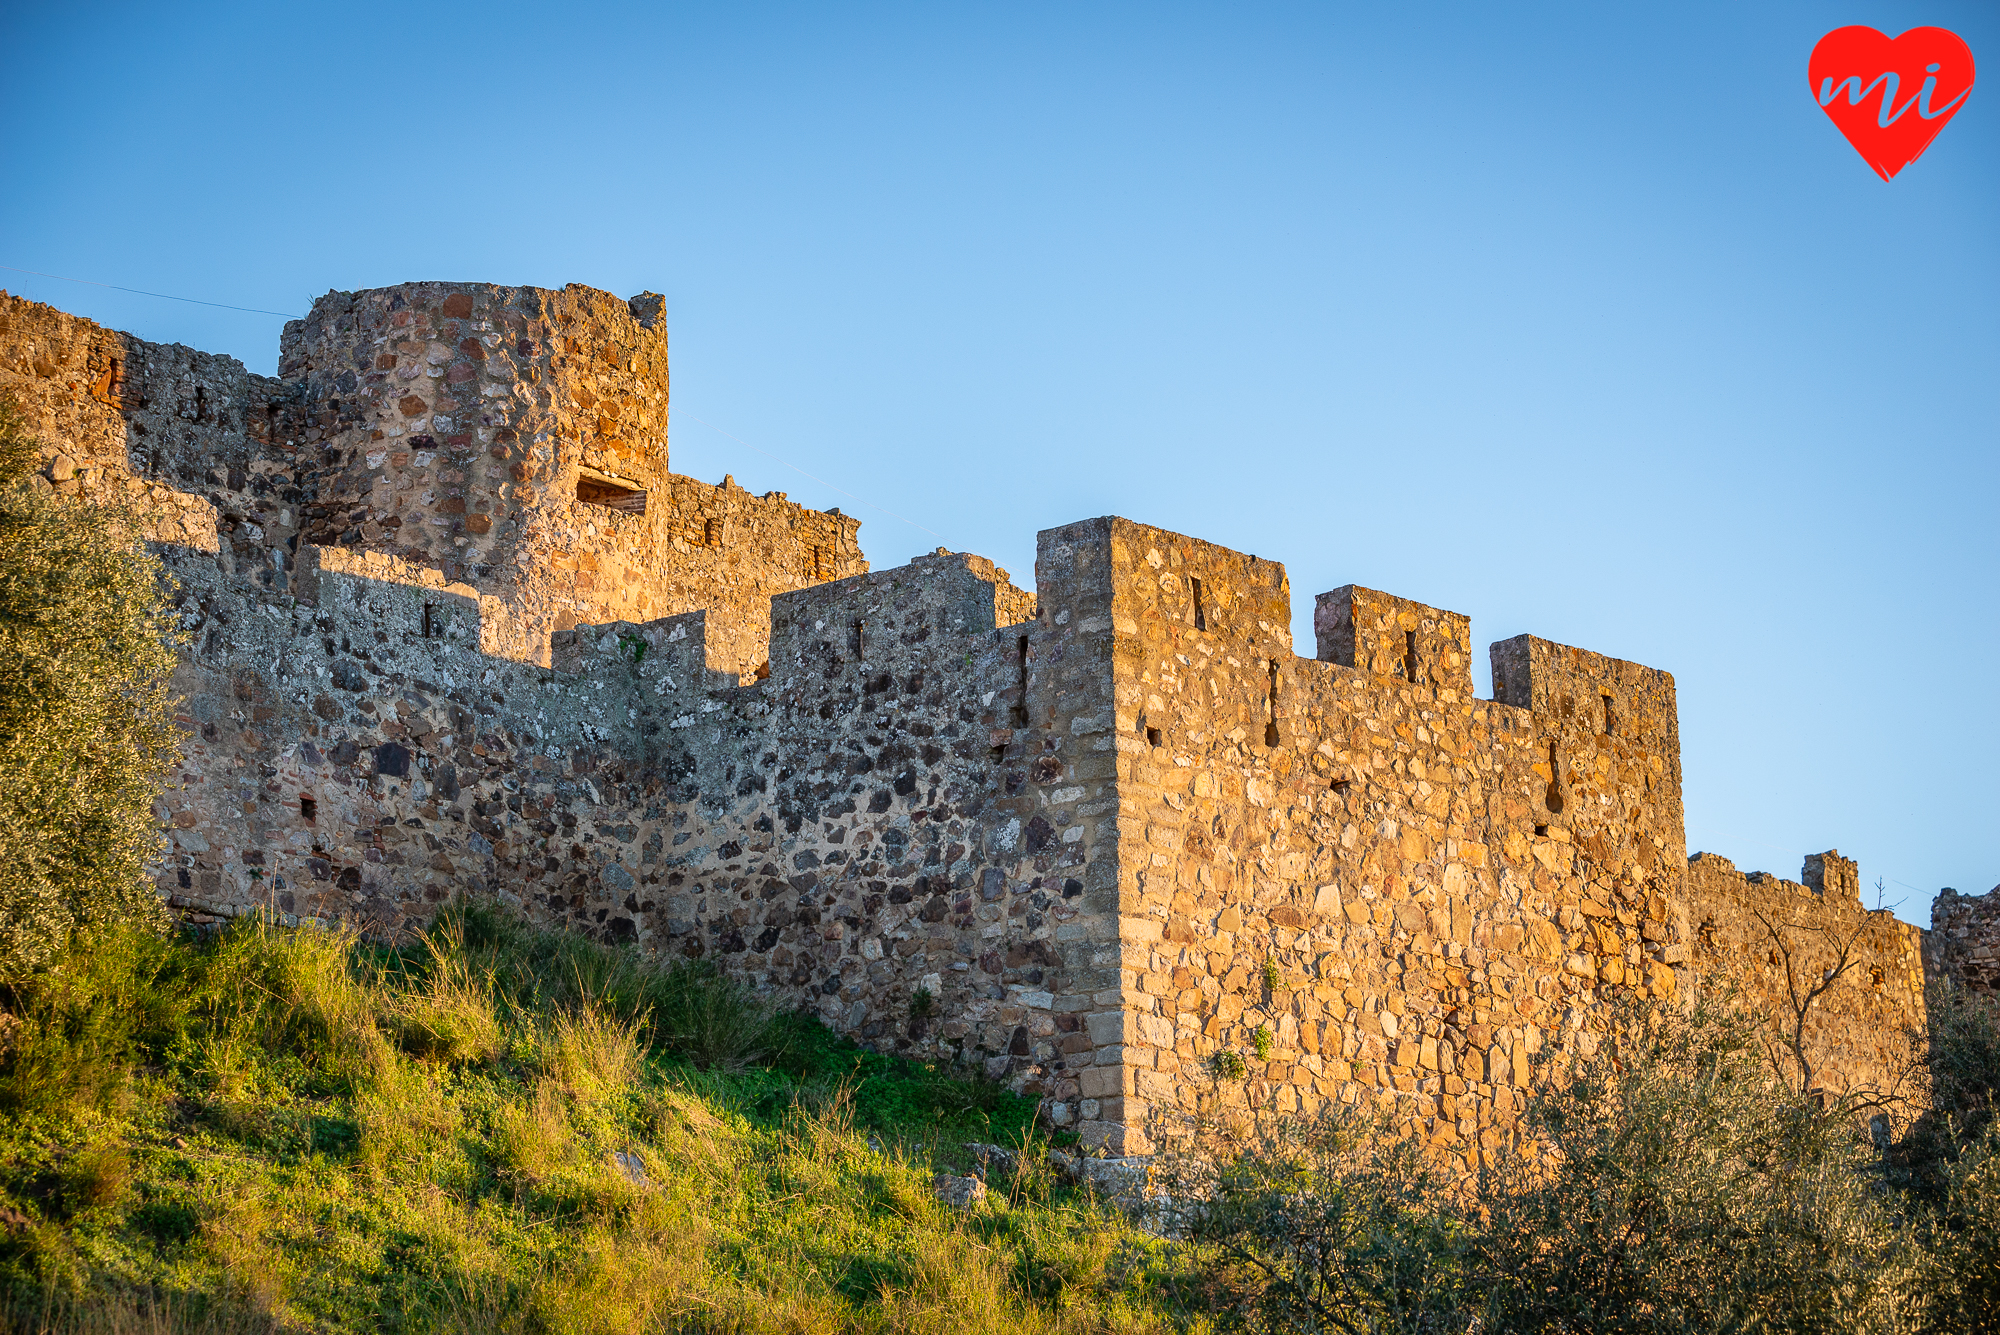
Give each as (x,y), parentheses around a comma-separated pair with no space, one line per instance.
(1667,1183)
(1679,1185)
(1950,1160)
(82,1021)
(1340,1216)
(86,720)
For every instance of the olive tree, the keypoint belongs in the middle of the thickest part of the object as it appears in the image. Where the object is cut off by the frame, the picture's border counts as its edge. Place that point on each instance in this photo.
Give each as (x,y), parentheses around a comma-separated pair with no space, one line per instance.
(86,717)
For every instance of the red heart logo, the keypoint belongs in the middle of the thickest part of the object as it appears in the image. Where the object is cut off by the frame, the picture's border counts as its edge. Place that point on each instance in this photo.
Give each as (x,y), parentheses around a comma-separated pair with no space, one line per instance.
(1890,98)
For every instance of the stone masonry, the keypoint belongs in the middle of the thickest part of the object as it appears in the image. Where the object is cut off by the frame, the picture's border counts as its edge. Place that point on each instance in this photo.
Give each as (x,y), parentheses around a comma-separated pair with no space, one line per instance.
(1965,938)
(456,630)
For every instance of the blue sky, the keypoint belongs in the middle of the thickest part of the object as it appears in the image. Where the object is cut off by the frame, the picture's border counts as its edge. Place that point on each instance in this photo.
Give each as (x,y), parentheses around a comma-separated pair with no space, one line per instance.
(1581,320)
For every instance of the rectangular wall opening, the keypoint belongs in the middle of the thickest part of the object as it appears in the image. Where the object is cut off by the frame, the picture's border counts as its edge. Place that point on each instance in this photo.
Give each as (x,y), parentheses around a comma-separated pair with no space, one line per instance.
(1271,737)
(309,810)
(433,622)
(1018,714)
(1610,719)
(711,533)
(1200,613)
(1410,656)
(611,494)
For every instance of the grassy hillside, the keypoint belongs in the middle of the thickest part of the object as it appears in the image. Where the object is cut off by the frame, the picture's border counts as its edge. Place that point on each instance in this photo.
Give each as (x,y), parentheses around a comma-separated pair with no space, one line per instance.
(505,1130)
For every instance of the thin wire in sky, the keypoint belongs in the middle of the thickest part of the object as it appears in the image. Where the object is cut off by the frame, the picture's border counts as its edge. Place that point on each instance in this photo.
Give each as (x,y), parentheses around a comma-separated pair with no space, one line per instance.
(164,296)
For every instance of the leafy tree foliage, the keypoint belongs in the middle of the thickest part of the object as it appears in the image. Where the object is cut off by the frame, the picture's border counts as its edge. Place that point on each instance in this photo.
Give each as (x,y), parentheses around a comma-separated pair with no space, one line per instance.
(1670,1182)
(86,720)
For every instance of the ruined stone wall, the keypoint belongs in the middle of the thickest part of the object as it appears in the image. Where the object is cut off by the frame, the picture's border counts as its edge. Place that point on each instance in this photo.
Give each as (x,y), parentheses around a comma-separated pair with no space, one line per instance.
(1859,1035)
(903,806)
(1964,939)
(353,756)
(1108,845)
(455,629)
(879,819)
(516,440)
(124,419)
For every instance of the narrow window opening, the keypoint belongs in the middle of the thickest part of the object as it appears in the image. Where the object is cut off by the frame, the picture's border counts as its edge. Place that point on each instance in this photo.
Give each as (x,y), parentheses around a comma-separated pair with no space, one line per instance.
(200,404)
(1271,728)
(309,810)
(433,621)
(1554,798)
(1410,656)
(611,495)
(1200,613)
(1152,736)
(1610,719)
(711,533)
(860,643)
(999,754)
(1018,715)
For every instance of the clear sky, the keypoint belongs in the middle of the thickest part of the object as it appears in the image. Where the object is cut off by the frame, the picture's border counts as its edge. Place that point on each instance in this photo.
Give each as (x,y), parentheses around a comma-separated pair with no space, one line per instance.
(1581,320)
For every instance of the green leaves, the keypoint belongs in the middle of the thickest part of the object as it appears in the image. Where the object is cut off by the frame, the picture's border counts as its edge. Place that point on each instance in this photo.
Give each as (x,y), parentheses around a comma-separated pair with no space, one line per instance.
(86,717)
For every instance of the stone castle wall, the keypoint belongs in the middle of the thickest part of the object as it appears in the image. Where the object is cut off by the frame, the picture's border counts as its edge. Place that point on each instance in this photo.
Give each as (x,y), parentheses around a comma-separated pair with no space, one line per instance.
(1770,940)
(1113,841)
(1964,939)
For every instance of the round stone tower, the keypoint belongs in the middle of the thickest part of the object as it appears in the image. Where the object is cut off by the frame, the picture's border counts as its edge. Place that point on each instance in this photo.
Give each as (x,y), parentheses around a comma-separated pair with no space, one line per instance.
(514,439)
(462,422)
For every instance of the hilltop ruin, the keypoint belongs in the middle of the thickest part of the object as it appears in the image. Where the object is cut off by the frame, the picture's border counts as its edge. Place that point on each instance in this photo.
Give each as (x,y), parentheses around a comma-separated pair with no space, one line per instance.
(457,630)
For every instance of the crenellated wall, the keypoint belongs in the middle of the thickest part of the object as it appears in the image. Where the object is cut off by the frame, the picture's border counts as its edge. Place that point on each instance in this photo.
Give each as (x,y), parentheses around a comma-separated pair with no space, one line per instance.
(1359,880)
(457,630)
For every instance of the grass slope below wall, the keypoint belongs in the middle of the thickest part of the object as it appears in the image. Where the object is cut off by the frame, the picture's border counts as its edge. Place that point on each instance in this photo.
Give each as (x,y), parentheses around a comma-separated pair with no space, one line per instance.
(504,1130)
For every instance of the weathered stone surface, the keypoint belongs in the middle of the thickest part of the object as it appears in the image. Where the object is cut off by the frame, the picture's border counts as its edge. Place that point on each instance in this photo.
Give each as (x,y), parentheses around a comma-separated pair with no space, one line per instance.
(1965,938)
(961,1193)
(457,630)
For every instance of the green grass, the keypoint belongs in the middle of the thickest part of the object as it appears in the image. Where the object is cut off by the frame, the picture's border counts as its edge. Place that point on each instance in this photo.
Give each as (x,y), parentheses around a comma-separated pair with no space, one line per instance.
(505,1130)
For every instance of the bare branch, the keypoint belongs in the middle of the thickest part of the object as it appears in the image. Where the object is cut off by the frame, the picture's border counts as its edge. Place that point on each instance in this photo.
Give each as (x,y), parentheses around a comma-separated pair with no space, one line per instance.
(1801,1002)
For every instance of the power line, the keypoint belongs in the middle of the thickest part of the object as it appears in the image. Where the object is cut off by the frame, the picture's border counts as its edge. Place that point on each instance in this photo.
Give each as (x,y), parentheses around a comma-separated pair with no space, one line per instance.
(802,472)
(164,296)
